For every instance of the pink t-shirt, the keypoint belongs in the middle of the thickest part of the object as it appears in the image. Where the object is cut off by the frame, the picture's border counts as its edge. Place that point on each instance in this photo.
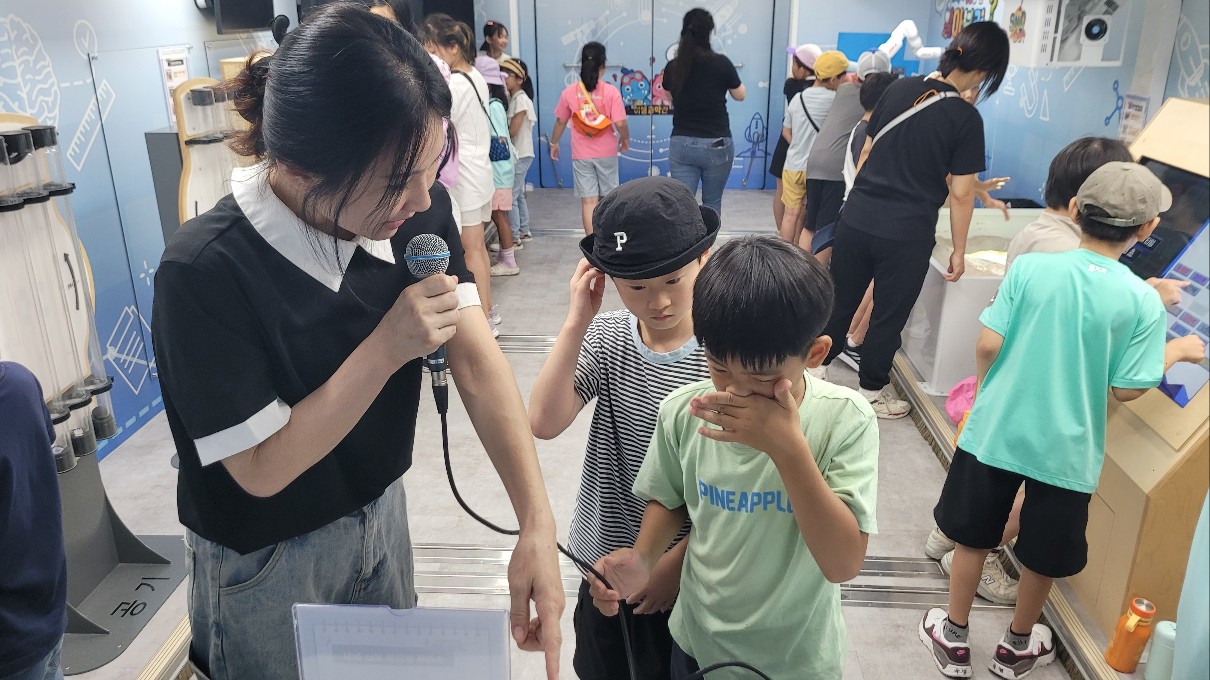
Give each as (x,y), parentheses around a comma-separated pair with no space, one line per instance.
(609,102)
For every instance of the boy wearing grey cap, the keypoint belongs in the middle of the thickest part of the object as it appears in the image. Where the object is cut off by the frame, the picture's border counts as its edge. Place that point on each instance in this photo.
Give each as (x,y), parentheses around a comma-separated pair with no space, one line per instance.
(1064,331)
(651,237)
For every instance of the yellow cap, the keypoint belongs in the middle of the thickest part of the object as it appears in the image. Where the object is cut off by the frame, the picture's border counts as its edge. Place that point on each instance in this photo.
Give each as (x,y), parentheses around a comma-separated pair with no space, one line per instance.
(831,64)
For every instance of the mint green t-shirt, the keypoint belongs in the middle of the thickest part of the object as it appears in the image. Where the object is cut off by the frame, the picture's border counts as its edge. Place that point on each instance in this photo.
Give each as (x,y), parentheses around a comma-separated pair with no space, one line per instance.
(1074,325)
(502,171)
(750,589)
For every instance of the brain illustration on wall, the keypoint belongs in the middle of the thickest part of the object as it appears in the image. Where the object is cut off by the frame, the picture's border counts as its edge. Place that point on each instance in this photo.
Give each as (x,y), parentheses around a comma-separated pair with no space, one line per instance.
(27,77)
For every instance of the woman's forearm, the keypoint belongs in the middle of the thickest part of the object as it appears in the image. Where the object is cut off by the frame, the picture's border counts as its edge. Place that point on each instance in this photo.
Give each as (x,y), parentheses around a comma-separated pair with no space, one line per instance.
(317,424)
(493,402)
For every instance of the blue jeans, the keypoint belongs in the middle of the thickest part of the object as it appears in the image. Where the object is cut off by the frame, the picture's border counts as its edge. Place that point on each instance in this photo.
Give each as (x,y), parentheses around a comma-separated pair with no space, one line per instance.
(48,668)
(240,605)
(518,217)
(705,160)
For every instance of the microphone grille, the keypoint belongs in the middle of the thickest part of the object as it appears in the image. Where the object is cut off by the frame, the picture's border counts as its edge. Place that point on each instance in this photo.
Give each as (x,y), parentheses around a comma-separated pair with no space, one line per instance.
(427,254)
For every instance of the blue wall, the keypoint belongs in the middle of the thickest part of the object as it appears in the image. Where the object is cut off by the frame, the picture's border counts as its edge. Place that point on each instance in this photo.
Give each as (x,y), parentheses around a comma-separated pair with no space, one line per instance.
(91,69)
(1189,74)
(638,33)
(1038,111)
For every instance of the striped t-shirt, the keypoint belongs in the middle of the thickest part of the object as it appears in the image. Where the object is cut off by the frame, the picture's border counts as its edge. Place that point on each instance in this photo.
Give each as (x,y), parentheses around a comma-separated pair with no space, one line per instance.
(629,381)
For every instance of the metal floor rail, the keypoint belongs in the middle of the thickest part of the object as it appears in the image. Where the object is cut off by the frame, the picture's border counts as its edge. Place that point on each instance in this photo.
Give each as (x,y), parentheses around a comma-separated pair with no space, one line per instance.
(482,570)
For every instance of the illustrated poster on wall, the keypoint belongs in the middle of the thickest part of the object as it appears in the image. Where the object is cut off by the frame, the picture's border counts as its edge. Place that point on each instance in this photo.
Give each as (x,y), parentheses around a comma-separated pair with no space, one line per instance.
(958,14)
(1190,317)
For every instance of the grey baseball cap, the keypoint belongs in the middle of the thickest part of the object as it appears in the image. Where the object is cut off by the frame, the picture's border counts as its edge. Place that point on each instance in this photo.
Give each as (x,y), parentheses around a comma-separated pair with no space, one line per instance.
(875,61)
(1129,192)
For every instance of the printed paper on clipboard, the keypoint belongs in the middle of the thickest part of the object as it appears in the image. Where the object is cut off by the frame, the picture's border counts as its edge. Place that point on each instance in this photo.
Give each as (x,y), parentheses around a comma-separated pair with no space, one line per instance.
(342,642)
(1190,317)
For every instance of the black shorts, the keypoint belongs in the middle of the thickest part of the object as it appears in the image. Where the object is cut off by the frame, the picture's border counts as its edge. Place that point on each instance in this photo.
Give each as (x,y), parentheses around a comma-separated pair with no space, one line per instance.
(824,198)
(600,652)
(977,499)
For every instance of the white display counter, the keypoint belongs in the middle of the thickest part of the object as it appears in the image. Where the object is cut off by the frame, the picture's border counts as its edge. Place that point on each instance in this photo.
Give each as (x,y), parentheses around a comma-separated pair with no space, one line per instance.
(940,336)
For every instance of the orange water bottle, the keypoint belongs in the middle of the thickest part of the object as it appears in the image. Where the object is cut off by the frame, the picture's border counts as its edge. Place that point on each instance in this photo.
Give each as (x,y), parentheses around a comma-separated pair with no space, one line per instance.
(1131,635)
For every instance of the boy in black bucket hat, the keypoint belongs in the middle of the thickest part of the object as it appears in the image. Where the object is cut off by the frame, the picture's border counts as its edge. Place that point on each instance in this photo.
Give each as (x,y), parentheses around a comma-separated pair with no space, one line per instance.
(651,237)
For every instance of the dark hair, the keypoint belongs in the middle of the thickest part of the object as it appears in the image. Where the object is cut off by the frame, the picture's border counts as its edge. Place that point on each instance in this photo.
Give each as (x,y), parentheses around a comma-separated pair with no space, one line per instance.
(500,92)
(981,46)
(760,300)
(1100,231)
(490,30)
(696,27)
(443,29)
(592,60)
(345,89)
(401,9)
(873,87)
(798,62)
(527,83)
(1072,166)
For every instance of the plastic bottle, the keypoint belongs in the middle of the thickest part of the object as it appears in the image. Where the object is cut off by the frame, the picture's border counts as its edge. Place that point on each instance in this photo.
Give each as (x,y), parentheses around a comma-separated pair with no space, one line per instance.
(1163,647)
(1130,637)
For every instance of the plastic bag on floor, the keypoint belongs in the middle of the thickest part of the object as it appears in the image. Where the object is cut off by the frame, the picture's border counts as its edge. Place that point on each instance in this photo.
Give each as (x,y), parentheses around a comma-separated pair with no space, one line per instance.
(960,400)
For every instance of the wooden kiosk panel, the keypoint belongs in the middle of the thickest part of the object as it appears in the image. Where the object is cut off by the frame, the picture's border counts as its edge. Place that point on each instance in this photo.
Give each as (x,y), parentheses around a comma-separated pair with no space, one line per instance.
(1157,454)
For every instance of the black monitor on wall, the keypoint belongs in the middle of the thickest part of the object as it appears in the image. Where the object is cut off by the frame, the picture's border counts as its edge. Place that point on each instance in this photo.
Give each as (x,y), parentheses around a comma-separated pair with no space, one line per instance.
(242,16)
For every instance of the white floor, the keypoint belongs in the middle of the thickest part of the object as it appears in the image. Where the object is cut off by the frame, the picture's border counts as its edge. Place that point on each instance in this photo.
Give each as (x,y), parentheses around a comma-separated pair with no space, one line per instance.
(882,639)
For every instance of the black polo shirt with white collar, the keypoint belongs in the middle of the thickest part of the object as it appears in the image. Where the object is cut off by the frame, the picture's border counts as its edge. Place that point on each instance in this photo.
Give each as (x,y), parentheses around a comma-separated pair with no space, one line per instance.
(254,311)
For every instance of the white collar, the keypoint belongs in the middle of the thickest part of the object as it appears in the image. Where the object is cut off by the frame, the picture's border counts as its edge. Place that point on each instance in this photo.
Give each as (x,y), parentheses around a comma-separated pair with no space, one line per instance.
(283,230)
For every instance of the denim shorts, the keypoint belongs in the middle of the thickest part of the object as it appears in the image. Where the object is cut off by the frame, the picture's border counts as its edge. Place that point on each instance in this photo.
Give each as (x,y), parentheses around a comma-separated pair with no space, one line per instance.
(46,668)
(240,605)
(595,176)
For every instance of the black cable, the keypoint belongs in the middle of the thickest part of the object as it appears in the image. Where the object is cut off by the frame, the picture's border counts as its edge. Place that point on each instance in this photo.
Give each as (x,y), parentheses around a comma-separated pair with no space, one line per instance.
(441,396)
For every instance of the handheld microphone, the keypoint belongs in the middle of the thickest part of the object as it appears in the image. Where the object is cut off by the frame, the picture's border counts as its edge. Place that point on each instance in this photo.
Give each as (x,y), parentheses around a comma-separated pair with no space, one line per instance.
(426,255)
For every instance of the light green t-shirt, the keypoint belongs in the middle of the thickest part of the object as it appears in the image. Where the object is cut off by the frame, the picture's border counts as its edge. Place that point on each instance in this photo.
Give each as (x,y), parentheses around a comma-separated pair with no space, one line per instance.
(1074,325)
(502,171)
(750,589)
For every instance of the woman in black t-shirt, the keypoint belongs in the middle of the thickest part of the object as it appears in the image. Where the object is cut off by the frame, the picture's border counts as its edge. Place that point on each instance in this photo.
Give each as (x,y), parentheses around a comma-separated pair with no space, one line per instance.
(699,79)
(289,335)
(802,75)
(886,232)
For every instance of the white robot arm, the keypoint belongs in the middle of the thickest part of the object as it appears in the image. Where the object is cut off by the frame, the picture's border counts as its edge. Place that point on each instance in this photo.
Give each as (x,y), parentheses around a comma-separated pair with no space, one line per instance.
(906,31)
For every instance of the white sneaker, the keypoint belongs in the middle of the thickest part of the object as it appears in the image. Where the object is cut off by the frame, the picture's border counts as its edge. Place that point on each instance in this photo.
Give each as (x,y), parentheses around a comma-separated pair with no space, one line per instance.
(953,659)
(820,373)
(501,269)
(495,247)
(1013,664)
(938,544)
(995,585)
(525,238)
(886,404)
(493,316)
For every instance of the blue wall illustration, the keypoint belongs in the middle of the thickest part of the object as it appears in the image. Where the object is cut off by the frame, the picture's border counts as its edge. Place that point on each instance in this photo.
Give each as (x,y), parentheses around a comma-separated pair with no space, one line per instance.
(92,70)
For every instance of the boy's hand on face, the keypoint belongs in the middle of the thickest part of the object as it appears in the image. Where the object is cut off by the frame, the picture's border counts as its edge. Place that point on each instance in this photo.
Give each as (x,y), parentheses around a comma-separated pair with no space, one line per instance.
(587,293)
(766,424)
(626,571)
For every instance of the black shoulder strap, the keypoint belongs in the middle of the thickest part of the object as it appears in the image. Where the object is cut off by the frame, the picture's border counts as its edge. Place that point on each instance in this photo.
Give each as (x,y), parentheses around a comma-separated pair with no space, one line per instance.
(481,105)
(803,100)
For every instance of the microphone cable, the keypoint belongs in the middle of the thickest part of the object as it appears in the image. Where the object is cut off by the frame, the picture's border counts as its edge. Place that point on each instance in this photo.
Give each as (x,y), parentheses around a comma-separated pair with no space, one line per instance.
(441,397)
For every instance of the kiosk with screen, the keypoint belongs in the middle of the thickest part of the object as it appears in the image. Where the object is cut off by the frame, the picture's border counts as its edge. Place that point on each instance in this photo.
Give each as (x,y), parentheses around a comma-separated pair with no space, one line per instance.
(1157,449)
(1191,316)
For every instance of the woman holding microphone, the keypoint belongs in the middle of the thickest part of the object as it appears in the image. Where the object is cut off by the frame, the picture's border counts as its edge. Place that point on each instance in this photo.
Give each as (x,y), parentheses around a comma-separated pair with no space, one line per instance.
(289,336)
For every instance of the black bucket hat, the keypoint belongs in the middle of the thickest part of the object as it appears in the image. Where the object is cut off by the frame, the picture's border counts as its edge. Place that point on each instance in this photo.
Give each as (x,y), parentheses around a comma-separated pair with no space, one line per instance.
(649,227)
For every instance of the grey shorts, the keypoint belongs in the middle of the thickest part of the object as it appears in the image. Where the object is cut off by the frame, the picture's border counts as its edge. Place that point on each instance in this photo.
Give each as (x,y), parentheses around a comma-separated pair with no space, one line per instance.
(595,176)
(240,605)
